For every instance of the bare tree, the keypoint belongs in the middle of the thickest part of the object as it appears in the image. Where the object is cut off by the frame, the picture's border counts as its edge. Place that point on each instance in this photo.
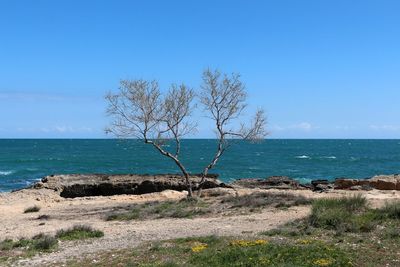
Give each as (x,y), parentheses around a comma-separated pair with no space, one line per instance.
(224,98)
(139,110)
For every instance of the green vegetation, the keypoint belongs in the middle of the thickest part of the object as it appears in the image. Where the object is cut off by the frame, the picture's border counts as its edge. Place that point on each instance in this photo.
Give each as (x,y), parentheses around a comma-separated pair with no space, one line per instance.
(38,243)
(11,250)
(350,224)
(349,214)
(338,232)
(391,210)
(225,205)
(221,251)
(32,209)
(79,232)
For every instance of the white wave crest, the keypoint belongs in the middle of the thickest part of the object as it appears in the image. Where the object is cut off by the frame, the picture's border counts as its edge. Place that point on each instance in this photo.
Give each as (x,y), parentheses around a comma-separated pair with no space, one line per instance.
(5,173)
(329,157)
(303,157)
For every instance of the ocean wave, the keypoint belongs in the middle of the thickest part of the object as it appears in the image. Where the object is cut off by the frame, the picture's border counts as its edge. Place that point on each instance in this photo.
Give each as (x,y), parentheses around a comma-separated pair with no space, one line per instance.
(5,173)
(302,157)
(329,157)
(254,168)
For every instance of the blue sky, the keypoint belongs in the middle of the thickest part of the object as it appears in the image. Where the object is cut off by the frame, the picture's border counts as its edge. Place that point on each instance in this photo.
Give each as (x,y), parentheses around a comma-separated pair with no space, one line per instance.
(321,69)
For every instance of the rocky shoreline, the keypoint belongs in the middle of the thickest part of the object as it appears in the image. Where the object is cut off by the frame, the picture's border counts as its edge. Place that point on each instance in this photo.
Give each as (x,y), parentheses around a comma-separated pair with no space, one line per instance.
(84,185)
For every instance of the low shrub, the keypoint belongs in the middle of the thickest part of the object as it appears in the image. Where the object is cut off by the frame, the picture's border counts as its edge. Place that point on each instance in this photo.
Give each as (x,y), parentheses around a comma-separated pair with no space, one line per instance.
(39,242)
(391,210)
(79,232)
(6,244)
(392,232)
(349,214)
(44,242)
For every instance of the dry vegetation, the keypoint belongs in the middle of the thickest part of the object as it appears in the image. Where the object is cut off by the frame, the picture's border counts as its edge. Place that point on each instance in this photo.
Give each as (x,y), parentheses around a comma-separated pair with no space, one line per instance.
(217,205)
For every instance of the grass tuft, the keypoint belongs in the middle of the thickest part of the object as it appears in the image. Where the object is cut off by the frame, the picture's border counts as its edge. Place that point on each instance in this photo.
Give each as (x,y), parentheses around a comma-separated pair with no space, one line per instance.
(391,210)
(347,214)
(44,242)
(40,242)
(43,217)
(32,209)
(79,232)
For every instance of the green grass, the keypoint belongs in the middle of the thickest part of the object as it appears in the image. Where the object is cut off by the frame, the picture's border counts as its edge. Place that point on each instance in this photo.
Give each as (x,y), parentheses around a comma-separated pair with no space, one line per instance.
(79,232)
(222,251)
(349,214)
(273,254)
(32,209)
(391,210)
(371,236)
(38,243)
(11,250)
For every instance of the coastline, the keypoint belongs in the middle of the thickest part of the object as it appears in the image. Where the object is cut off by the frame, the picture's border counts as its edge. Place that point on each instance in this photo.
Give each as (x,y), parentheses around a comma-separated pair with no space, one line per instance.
(91,210)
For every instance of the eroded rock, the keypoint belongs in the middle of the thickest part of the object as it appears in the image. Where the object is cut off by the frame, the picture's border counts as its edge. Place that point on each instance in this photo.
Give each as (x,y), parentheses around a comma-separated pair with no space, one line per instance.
(381,182)
(321,185)
(83,185)
(279,182)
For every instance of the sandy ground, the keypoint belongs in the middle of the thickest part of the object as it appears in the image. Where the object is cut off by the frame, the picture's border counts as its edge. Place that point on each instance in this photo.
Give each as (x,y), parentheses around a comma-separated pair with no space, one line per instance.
(65,213)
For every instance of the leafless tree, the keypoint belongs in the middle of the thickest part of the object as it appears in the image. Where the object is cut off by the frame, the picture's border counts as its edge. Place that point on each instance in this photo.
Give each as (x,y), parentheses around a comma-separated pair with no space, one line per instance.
(224,98)
(139,110)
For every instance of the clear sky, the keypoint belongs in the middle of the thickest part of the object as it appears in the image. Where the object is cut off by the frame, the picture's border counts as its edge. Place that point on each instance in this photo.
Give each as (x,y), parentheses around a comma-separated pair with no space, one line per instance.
(321,69)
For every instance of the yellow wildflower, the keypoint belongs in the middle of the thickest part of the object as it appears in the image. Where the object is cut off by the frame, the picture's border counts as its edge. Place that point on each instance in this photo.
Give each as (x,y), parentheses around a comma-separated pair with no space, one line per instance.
(323,262)
(264,260)
(200,247)
(260,242)
(304,241)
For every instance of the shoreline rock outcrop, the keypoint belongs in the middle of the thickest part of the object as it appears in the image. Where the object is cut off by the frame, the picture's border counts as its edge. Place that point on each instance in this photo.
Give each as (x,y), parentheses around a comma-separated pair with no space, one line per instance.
(276,182)
(84,185)
(381,182)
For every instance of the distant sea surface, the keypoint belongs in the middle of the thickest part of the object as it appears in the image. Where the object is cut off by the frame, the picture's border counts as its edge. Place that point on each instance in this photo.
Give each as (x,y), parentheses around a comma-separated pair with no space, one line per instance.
(23,162)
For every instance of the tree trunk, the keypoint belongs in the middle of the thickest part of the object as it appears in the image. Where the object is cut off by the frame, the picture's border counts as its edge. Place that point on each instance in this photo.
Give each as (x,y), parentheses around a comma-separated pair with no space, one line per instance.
(189,185)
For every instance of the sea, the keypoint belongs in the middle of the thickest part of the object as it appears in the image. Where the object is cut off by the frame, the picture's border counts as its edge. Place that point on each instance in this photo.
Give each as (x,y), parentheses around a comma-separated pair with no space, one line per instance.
(25,161)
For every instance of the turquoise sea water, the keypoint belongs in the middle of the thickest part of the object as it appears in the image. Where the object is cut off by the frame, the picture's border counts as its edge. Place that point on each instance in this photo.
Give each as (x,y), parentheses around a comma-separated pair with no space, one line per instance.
(25,161)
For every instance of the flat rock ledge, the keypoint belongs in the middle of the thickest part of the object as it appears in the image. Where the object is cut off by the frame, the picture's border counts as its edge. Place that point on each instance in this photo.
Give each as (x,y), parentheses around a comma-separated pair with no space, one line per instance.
(381,182)
(84,185)
(273,182)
